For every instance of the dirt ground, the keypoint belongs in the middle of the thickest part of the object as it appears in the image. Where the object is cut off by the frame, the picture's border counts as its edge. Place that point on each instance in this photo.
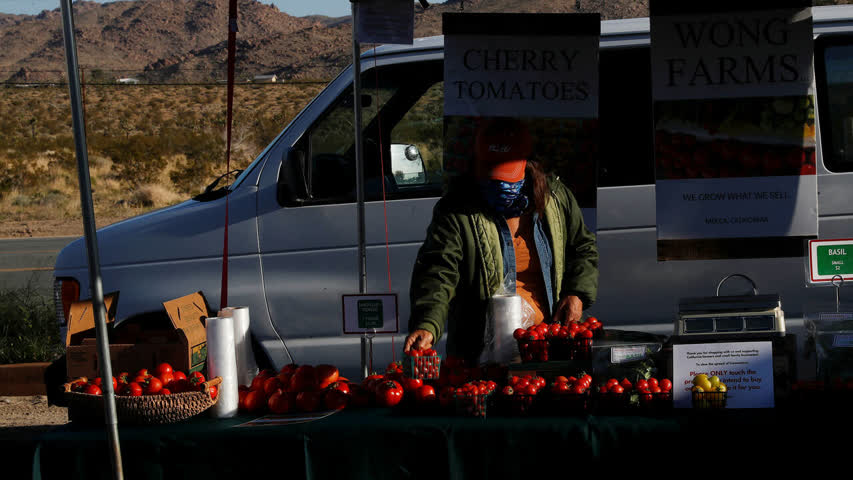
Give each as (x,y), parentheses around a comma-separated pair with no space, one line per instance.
(49,228)
(30,411)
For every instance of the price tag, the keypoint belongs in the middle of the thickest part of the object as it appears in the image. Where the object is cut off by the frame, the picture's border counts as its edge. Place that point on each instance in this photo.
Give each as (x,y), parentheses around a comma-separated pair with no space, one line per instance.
(370,313)
(830,258)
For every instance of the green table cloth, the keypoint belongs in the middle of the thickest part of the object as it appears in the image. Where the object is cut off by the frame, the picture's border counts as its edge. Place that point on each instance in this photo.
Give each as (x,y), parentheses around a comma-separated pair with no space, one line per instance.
(379,444)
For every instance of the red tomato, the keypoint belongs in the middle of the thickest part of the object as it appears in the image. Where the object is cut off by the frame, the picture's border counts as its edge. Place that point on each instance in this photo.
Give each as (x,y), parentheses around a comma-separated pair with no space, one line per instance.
(612,382)
(665,384)
(167,378)
(642,384)
(389,393)
(326,375)
(241,402)
(255,401)
(123,377)
(616,389)
(578,389)
(561,388)
(195,381)
(308,401)
(93,390)
(586,334)
(134,389)
(142,373)
(412,384)
(304,380)
(279,403)
(626,384)
(507,390)
(213,391)
(653,382)
(655,389)
(271,384)
(530,390)
(154,386)
(519,333)
(425,395)
(336,399)
(165,391)
(164,368)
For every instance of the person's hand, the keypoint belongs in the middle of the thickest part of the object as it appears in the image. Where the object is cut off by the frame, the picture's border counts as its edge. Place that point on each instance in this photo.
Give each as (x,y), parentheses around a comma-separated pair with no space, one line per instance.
(419,339)
(568,310)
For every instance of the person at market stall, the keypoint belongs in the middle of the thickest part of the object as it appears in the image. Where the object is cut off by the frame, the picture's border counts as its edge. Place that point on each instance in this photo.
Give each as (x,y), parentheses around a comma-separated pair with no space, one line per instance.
(506,219)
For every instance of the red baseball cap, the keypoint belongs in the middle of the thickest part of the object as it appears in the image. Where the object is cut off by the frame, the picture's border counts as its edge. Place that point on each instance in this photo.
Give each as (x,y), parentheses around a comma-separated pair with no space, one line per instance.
(501,150)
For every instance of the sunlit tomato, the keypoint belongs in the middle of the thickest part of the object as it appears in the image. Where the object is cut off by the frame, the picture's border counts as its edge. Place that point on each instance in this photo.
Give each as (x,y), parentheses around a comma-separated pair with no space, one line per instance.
(653,382)
(425,395)
(641,384)
(616,389)
(93,390)
(154,386)
(612,382)
(134,389)
(389,393)
(167,378)
(123,377)
(326,375)
(412,384)
(212,391)
(665,384)
(142,372)
(164,368)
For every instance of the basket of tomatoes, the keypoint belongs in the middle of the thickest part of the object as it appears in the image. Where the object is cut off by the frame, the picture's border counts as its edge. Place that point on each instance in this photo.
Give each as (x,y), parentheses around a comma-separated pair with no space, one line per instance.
(520,397)
(145,398)
(568,395)
(421,364)
(471,399)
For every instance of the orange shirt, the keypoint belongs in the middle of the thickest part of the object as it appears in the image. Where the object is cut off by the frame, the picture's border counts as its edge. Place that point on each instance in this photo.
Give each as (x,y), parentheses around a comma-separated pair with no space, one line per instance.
(530,284)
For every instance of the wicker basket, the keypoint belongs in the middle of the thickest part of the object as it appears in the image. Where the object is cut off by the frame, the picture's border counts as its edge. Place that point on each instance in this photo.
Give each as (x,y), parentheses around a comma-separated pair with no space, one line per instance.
(141,410)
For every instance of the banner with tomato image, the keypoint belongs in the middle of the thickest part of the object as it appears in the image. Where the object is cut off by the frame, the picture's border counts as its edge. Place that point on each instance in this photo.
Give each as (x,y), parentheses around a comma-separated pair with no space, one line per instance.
(540,70)
(734,129)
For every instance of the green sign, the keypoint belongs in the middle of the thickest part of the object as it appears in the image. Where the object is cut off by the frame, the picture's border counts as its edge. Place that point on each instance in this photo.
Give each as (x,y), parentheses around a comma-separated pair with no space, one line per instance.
(370,314)
(835,259)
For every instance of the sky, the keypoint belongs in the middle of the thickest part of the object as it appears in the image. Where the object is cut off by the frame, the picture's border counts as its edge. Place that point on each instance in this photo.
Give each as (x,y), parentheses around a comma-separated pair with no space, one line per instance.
(298,8)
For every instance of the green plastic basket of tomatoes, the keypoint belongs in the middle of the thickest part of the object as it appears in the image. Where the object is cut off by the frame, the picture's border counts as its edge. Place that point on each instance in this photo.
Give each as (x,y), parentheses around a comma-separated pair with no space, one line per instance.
(421,364)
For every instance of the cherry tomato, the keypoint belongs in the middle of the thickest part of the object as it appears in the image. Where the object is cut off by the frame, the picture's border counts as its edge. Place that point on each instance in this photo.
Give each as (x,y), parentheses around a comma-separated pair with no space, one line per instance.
(279,403)
(134,389)
(154,386)
(412,384)
(519,333)
(665,384)
(213,391)
(653,382)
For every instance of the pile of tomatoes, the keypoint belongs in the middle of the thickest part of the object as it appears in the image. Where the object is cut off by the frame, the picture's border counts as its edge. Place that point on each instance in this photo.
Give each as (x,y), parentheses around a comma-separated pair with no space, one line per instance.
(295,388)
(165,381)
(554,341)
(471,398)
(648,392)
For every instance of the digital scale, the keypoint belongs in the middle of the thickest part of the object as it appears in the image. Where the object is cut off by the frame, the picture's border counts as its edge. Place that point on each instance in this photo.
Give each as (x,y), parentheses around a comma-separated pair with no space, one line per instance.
(732,317)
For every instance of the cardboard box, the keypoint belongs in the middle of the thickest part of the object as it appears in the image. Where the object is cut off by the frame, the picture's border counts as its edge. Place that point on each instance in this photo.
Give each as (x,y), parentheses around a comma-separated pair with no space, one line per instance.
(134,346)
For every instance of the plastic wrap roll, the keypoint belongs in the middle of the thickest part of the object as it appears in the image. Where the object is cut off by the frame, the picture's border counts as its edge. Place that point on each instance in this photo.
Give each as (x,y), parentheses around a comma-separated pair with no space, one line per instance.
(221,362)
(246,366)
(505,315)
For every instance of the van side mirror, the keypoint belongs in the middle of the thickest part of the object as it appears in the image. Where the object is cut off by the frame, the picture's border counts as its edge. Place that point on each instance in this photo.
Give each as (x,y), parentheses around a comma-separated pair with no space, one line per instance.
(407,165)
(292,179)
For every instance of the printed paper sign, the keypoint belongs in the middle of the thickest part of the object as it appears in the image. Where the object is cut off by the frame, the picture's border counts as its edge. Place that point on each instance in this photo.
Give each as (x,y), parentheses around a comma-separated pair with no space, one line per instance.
(385,21)
(370,313)
(734,129)
(830,258)
(746,368)
(540,71)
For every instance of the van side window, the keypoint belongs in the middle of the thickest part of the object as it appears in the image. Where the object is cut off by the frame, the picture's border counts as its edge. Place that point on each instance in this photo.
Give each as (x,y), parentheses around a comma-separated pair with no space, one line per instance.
(625,113)
(834,75)
(400,107)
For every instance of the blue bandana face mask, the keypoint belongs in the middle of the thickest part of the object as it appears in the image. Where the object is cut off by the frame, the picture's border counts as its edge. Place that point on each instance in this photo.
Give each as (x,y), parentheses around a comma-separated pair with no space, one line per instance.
(505,198)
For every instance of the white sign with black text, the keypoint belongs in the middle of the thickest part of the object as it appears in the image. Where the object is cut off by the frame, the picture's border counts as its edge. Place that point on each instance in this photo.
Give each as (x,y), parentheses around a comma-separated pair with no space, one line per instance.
(746,369)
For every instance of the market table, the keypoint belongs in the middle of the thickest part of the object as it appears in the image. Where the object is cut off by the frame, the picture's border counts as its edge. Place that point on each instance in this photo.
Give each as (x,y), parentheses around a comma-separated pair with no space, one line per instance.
(379,444)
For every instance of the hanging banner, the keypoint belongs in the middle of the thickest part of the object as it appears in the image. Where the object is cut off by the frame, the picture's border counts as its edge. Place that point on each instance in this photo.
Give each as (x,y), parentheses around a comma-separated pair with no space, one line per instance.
(385,21)
(534,74)
(734,129)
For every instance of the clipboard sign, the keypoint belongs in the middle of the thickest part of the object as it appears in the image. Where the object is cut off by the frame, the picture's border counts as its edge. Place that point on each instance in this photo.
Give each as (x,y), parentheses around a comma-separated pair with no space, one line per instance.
(370,313)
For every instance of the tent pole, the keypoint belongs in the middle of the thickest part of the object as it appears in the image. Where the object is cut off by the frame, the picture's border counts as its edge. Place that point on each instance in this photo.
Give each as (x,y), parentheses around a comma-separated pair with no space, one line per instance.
(79,128)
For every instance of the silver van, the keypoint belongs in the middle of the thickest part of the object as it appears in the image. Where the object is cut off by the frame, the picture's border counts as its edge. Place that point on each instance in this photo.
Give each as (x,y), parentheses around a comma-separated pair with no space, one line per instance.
(293,232)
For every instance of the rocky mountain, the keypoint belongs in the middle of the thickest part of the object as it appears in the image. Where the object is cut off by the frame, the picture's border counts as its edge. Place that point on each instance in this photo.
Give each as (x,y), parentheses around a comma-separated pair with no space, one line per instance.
(185,40)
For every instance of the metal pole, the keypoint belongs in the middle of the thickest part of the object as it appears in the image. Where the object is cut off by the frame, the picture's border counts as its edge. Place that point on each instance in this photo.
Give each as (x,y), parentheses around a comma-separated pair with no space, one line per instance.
(359,176)
(91,238)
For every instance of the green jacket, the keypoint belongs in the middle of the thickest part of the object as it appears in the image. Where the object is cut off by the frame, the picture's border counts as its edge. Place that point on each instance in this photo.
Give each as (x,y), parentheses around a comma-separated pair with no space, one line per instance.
(460,266)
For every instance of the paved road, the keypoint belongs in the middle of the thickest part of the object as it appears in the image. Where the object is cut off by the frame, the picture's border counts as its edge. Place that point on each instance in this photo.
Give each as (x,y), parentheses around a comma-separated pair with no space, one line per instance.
(25,260)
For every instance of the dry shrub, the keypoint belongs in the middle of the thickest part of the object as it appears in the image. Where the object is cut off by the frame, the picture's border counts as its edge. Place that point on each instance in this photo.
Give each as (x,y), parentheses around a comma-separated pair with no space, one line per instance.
(153,195)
